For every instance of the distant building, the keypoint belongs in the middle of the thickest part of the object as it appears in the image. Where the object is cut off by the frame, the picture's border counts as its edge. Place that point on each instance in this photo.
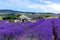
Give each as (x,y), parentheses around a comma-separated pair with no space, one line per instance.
(24,18)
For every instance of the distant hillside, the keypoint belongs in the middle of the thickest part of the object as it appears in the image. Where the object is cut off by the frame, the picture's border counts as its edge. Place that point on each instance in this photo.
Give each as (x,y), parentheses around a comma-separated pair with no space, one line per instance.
(12,12)
(6,11)
(9,11)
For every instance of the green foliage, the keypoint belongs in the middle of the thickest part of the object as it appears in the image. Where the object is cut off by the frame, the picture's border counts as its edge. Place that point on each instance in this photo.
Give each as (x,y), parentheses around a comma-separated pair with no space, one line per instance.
(47,16)
(9,17)
(59,17)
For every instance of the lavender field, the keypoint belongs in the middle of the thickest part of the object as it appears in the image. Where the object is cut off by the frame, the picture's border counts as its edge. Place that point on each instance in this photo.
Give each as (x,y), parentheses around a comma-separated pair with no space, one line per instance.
(41,29)
(29,19)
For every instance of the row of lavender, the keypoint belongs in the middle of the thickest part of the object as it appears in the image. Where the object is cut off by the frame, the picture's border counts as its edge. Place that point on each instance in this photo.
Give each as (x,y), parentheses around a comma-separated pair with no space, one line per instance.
(42,31)
(13,31)
(39,30)
(56,23)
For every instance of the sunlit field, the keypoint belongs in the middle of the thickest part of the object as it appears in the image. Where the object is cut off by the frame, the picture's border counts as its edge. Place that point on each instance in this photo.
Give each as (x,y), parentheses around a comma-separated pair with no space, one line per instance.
(39,29)
(29,19)
(29,27)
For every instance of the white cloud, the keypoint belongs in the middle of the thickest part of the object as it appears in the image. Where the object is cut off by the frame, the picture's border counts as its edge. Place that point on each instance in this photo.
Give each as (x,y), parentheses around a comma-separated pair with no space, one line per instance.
(47,7)
(47,2)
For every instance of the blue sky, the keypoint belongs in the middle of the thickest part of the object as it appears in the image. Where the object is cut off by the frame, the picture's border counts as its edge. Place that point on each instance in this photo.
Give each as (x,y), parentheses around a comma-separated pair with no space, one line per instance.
(52,6)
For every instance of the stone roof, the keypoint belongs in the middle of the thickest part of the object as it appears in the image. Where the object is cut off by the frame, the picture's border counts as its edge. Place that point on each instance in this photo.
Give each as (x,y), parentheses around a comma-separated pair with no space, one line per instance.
(23,17)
